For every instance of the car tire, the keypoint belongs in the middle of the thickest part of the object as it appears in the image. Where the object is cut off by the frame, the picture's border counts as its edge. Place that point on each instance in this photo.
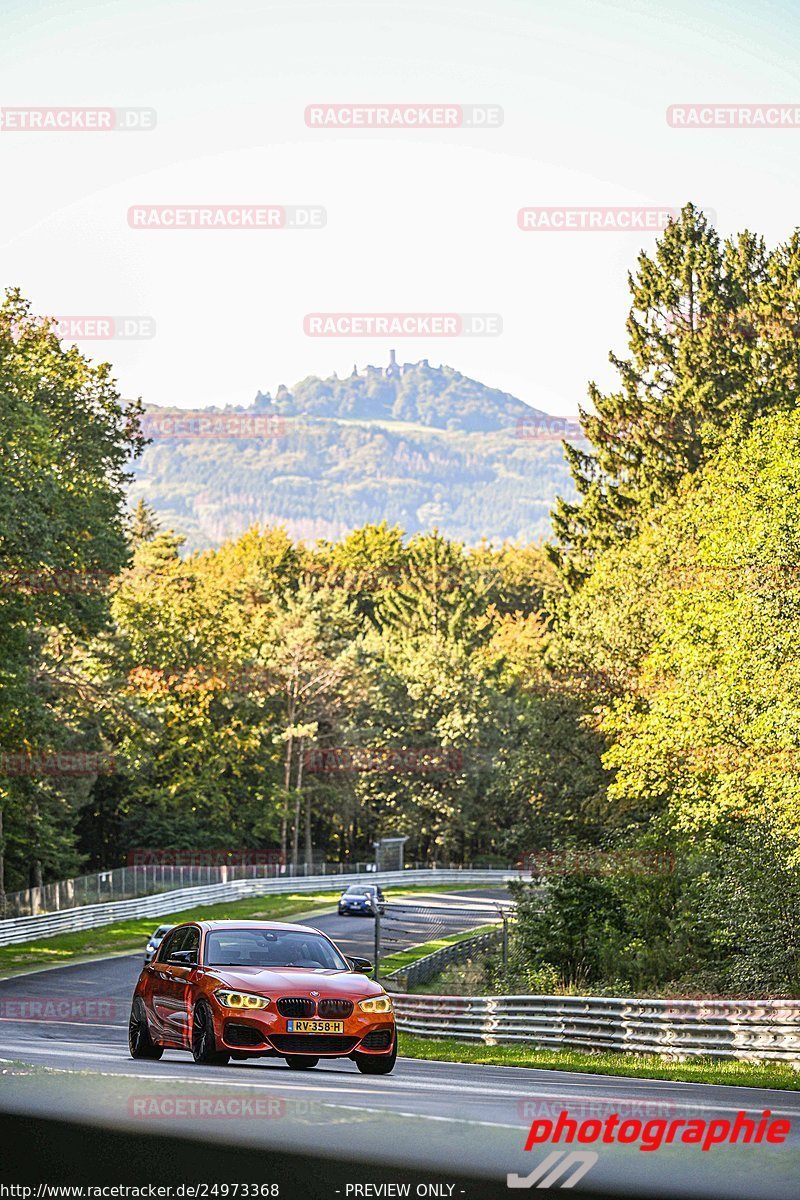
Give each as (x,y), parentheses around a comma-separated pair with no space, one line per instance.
(204,1043)
(140,1044)
(373,1064)
(300,1062)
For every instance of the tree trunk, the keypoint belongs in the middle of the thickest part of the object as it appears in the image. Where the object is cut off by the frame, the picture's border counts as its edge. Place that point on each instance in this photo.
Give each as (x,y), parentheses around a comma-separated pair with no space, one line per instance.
(297,799)
(309,847)
(287,779)
(287,774)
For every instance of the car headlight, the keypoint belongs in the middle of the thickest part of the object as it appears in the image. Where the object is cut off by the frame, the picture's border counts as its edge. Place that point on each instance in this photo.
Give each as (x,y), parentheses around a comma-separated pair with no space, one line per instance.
(378,1004)
(231,999)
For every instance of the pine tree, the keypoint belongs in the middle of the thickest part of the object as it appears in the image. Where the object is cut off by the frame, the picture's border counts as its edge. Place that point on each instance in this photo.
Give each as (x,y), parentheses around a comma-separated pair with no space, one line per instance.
(144,524)
(711,343)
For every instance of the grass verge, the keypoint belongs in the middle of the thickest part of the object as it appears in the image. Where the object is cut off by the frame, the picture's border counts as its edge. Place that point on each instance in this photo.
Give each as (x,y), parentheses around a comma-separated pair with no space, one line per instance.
(133,934)
(636,1066)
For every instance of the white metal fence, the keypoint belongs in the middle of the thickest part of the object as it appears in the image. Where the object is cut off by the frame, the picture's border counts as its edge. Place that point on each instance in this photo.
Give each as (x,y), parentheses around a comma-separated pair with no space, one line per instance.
(123,883)
(25,929)
(678,1029)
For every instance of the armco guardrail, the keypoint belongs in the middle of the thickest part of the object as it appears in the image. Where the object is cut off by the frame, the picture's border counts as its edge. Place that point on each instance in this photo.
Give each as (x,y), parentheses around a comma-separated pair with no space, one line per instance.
(426,968)
(25,929)
(145,879)
(741,1029)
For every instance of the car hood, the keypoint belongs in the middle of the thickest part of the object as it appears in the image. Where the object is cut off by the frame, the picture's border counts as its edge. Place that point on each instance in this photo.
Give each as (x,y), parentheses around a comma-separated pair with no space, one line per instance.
(295,981)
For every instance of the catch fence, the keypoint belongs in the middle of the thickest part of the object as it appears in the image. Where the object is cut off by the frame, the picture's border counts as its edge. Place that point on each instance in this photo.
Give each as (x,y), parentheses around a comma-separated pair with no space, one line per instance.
(24,929)
(148,879)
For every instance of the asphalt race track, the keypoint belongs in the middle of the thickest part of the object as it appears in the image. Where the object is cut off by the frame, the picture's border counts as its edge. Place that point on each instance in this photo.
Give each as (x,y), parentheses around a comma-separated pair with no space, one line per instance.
(356,935)
(431,1116)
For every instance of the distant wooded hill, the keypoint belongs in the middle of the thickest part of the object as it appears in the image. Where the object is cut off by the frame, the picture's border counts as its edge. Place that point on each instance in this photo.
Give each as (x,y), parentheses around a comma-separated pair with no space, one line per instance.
(415,445)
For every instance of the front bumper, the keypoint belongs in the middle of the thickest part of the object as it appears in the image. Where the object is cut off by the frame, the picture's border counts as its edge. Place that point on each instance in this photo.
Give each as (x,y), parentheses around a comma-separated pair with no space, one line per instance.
(265,1032)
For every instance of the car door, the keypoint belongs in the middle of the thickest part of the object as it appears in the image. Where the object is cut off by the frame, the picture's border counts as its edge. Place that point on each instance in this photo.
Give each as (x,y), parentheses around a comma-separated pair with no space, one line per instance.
(178,987)
(161,995)
(184,986)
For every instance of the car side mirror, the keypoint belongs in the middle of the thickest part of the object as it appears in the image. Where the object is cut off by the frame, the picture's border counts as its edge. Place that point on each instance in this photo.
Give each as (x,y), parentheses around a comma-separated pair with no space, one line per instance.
(183,958)
(361,966)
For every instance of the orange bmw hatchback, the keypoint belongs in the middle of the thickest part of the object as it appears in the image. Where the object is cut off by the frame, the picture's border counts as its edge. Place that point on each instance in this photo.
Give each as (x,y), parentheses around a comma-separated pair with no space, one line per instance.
(244,989)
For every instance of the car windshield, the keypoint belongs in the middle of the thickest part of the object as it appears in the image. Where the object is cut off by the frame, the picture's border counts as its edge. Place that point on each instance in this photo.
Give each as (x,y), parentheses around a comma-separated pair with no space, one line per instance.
(271,948)
(356,891)
(162,929)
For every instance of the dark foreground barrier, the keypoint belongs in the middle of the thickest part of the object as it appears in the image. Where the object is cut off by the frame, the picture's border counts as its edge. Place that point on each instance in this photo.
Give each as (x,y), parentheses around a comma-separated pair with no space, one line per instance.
(48,1155)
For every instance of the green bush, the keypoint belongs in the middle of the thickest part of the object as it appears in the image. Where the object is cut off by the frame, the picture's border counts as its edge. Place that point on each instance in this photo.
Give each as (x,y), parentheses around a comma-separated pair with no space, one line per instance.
(725,918)
(749,894)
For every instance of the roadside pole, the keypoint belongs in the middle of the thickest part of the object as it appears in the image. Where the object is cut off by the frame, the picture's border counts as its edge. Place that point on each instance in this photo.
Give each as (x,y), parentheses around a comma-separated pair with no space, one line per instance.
(505,941)
(376,911)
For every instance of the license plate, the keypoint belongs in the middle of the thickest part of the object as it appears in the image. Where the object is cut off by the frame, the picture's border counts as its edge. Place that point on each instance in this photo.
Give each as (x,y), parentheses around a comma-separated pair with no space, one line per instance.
(294,1026)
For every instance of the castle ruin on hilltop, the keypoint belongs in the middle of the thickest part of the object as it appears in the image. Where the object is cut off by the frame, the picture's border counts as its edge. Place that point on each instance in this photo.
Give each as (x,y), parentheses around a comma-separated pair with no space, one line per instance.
(393,370)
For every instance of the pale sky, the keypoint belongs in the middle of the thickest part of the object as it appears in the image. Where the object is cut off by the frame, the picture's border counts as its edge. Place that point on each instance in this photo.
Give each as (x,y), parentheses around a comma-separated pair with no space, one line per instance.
(417,221)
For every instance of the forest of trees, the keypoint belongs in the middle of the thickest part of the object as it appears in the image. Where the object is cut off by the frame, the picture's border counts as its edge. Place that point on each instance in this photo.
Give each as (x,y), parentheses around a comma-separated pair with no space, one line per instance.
(434,397)
(426,447)
(628,689)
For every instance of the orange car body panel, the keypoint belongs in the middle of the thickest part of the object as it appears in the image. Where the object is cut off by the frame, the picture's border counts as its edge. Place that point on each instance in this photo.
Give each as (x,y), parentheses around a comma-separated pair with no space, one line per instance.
(170,993)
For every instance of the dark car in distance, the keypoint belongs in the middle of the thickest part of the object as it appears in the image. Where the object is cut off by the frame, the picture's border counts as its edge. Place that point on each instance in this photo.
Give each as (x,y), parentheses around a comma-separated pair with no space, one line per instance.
(155,941)
(361,900)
